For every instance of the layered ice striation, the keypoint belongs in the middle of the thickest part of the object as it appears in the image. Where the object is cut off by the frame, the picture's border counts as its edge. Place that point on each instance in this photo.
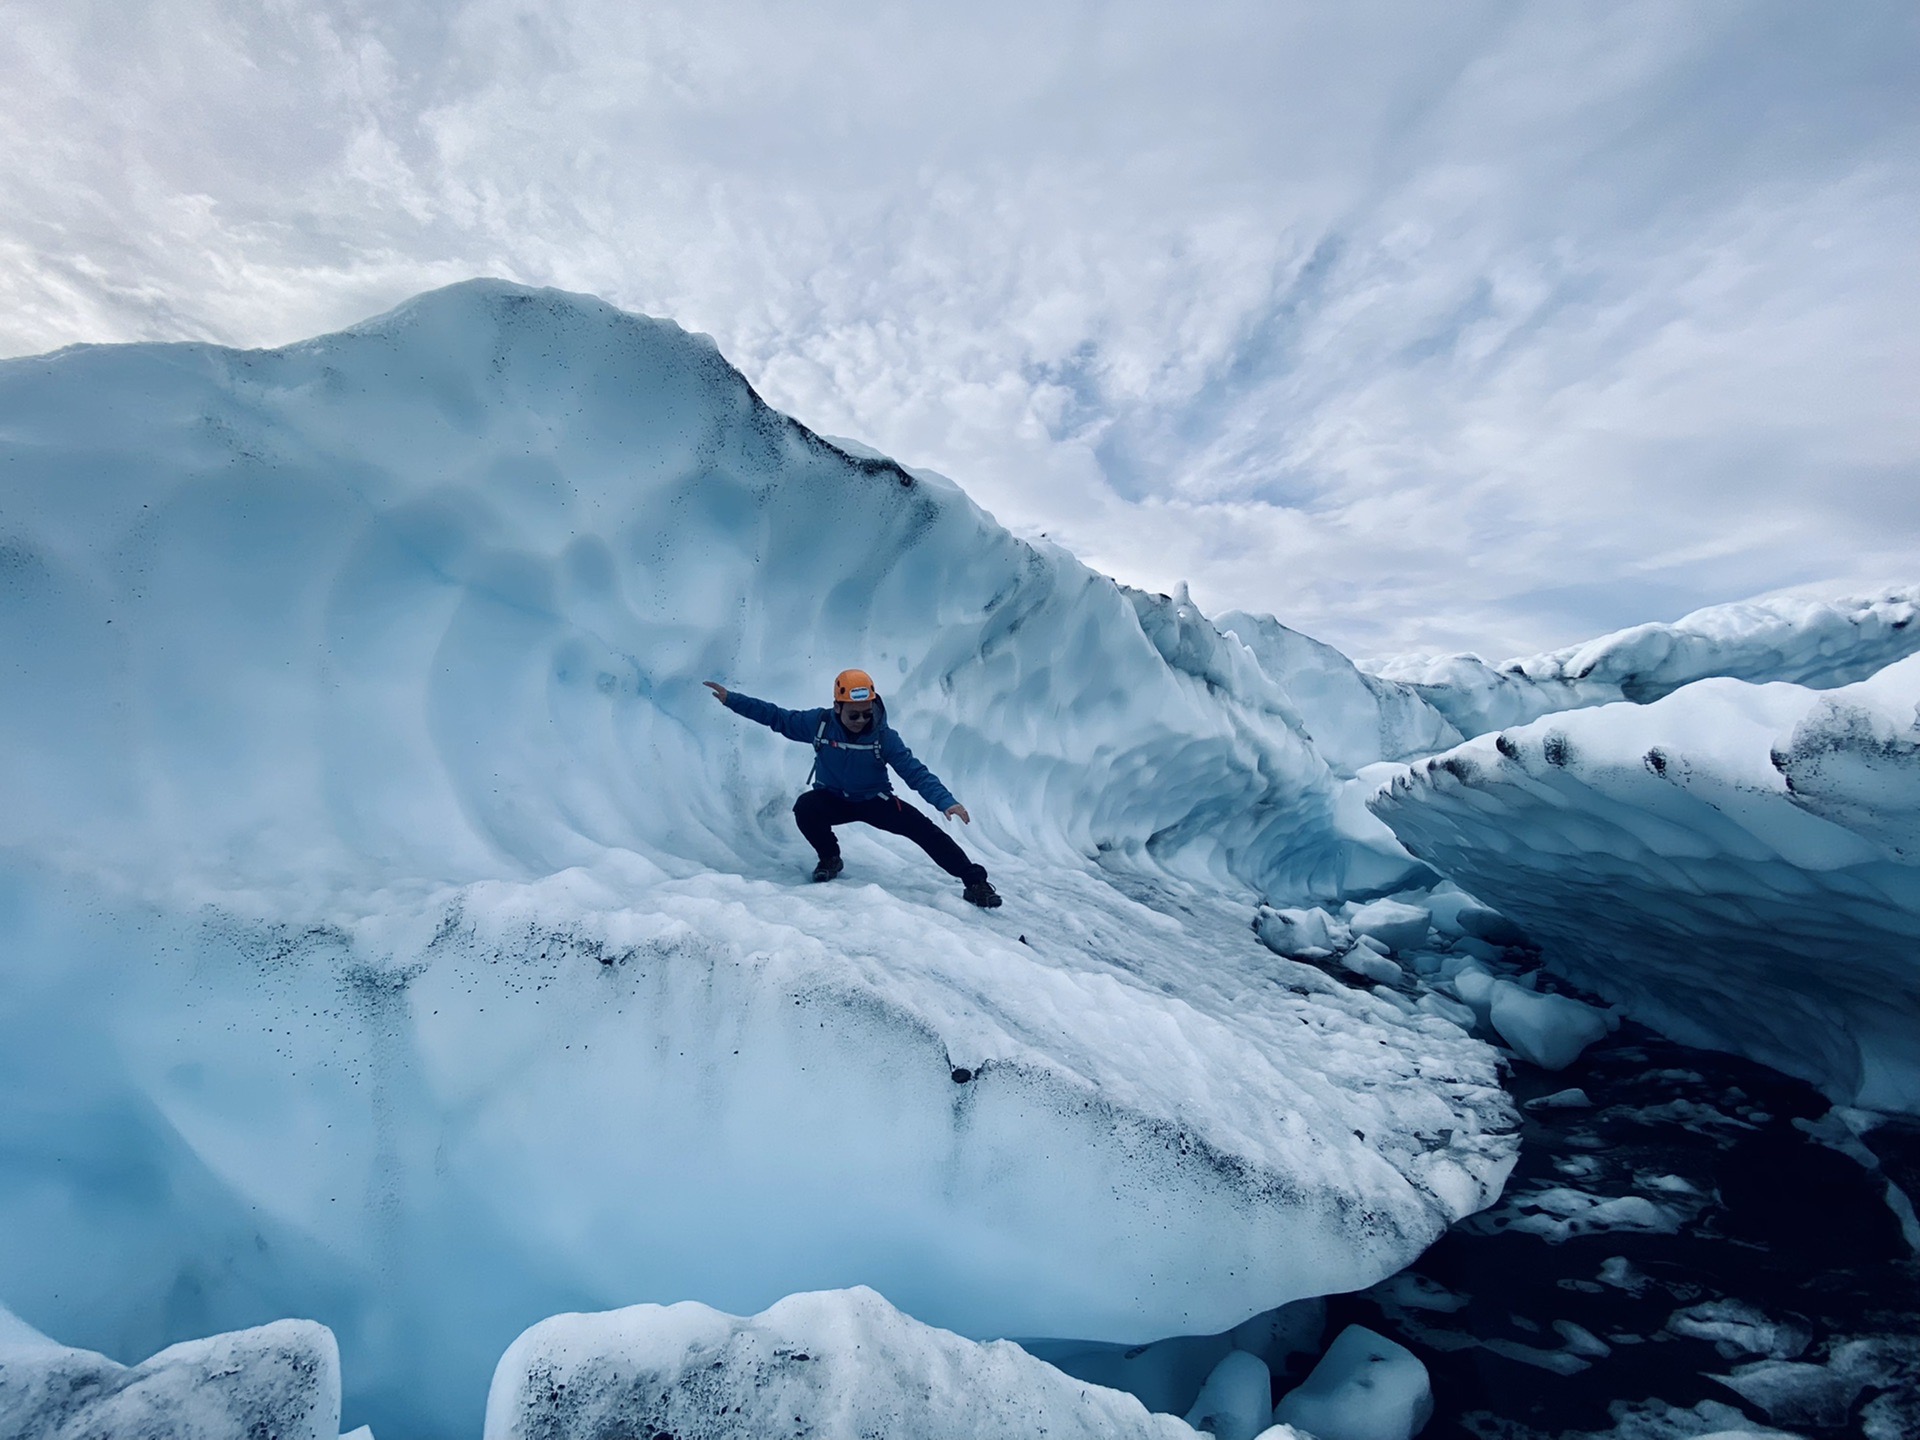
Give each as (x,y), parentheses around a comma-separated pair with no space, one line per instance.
(1819,644)
(399,935)
(1736,864)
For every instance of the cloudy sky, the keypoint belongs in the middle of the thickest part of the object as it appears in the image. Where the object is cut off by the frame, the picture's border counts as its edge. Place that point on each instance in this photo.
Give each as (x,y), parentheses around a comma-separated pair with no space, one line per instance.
(1424,327)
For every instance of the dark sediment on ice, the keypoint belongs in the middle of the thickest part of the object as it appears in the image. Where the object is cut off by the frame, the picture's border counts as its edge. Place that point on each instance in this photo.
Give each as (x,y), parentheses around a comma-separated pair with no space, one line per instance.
(1784,1254)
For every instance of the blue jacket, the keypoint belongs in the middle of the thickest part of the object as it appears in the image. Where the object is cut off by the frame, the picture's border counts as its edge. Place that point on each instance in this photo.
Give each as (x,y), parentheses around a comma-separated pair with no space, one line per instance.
(853,765)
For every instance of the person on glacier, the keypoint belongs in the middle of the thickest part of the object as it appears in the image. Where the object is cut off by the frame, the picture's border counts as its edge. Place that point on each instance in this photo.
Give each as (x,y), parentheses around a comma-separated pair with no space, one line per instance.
(852,747)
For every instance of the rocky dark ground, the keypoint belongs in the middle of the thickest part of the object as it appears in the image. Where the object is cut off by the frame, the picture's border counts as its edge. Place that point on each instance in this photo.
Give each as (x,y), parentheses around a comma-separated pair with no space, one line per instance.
(1706,1245)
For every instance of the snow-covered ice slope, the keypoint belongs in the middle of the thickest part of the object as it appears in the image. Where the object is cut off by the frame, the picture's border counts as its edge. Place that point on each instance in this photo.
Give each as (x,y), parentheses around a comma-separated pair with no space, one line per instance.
(839,1365)
(398,934)
(432,598)
(280,1380)
(1739,865)
(1816,643)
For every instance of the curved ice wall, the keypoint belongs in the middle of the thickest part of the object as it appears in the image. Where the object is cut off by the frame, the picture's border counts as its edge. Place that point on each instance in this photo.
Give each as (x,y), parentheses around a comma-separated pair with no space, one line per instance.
(432,597)
(398,933)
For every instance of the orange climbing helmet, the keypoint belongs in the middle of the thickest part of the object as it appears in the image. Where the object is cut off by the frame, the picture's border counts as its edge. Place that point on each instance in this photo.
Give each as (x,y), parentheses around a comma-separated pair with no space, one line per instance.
(853,685)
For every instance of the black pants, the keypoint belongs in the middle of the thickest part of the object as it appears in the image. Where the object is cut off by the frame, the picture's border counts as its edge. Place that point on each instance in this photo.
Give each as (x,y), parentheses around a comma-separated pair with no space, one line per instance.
(818,811)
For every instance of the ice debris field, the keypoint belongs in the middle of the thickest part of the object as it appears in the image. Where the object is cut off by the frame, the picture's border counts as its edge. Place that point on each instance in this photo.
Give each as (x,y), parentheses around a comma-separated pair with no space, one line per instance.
(399,939)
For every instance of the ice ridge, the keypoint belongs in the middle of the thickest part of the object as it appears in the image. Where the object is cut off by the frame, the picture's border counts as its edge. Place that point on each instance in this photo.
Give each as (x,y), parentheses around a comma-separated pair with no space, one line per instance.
(1736,864)
(1819,644)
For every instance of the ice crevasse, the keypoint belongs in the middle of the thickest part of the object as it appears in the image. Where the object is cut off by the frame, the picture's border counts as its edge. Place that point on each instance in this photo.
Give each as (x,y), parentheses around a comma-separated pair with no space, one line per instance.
(399,936)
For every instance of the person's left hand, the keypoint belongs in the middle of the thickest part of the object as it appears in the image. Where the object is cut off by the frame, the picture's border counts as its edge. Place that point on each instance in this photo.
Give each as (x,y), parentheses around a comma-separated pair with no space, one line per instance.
(961,811)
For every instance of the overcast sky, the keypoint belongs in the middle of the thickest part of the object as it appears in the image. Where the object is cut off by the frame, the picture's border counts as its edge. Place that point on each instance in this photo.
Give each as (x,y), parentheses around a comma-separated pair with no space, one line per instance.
(1422,326)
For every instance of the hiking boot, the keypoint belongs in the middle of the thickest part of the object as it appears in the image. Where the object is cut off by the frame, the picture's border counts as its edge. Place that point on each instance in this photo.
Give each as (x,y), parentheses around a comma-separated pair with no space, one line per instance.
(982,894)
(831,867)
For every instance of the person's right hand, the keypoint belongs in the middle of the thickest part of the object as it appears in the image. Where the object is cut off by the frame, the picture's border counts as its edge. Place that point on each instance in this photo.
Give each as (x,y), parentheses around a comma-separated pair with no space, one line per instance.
(719,690)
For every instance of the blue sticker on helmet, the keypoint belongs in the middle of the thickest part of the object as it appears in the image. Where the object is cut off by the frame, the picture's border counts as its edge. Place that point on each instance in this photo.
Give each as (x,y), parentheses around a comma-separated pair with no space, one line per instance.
(860,692)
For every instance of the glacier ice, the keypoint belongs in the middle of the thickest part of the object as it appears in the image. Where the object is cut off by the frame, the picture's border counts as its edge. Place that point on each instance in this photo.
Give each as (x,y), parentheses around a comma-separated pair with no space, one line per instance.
(1548,1030)
(1301,934)
(840,1365)
(1738,1330)
(1735,864)
(1393,923)
(1822,1394)
(1167,1375)
(399,935)
(1366,1387)
(1354,719)
(1815,643)
(280,1380)
(1236,1401)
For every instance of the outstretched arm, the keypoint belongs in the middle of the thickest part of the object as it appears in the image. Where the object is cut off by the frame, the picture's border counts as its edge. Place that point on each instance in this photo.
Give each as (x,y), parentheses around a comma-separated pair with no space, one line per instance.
(925,783)
(794,724)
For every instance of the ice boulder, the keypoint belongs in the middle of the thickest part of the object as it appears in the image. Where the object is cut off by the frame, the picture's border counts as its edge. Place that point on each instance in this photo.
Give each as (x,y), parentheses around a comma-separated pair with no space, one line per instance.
(280,1380)
(1814,643)
(1732,864)
(1738,1329)
(1366,1387)
(1551,1031)
(1371,964)
(837,1365)
(1236,1402)
(1310,934)
(1459,915)
(1475,986)
(1395,924)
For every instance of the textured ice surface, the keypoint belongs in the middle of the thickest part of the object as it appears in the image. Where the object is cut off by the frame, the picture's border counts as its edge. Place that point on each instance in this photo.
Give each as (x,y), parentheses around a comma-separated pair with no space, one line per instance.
(837,1365)
(1355,719)
(1394,924)
(433,598)
(1735,864)
(1823,1393)
(1739,1330)
(280,1380)
(1818,644)
(1309,934)
(1366,1387)
(1236,1402)
(1548,1030)
(397,932)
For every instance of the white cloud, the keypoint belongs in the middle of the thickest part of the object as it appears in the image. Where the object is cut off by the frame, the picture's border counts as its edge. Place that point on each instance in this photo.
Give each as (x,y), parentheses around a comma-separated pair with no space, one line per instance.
(1419,326)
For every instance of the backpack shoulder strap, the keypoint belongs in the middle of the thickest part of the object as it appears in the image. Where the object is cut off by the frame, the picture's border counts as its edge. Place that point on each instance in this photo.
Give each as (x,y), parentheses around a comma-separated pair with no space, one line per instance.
(819,744)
